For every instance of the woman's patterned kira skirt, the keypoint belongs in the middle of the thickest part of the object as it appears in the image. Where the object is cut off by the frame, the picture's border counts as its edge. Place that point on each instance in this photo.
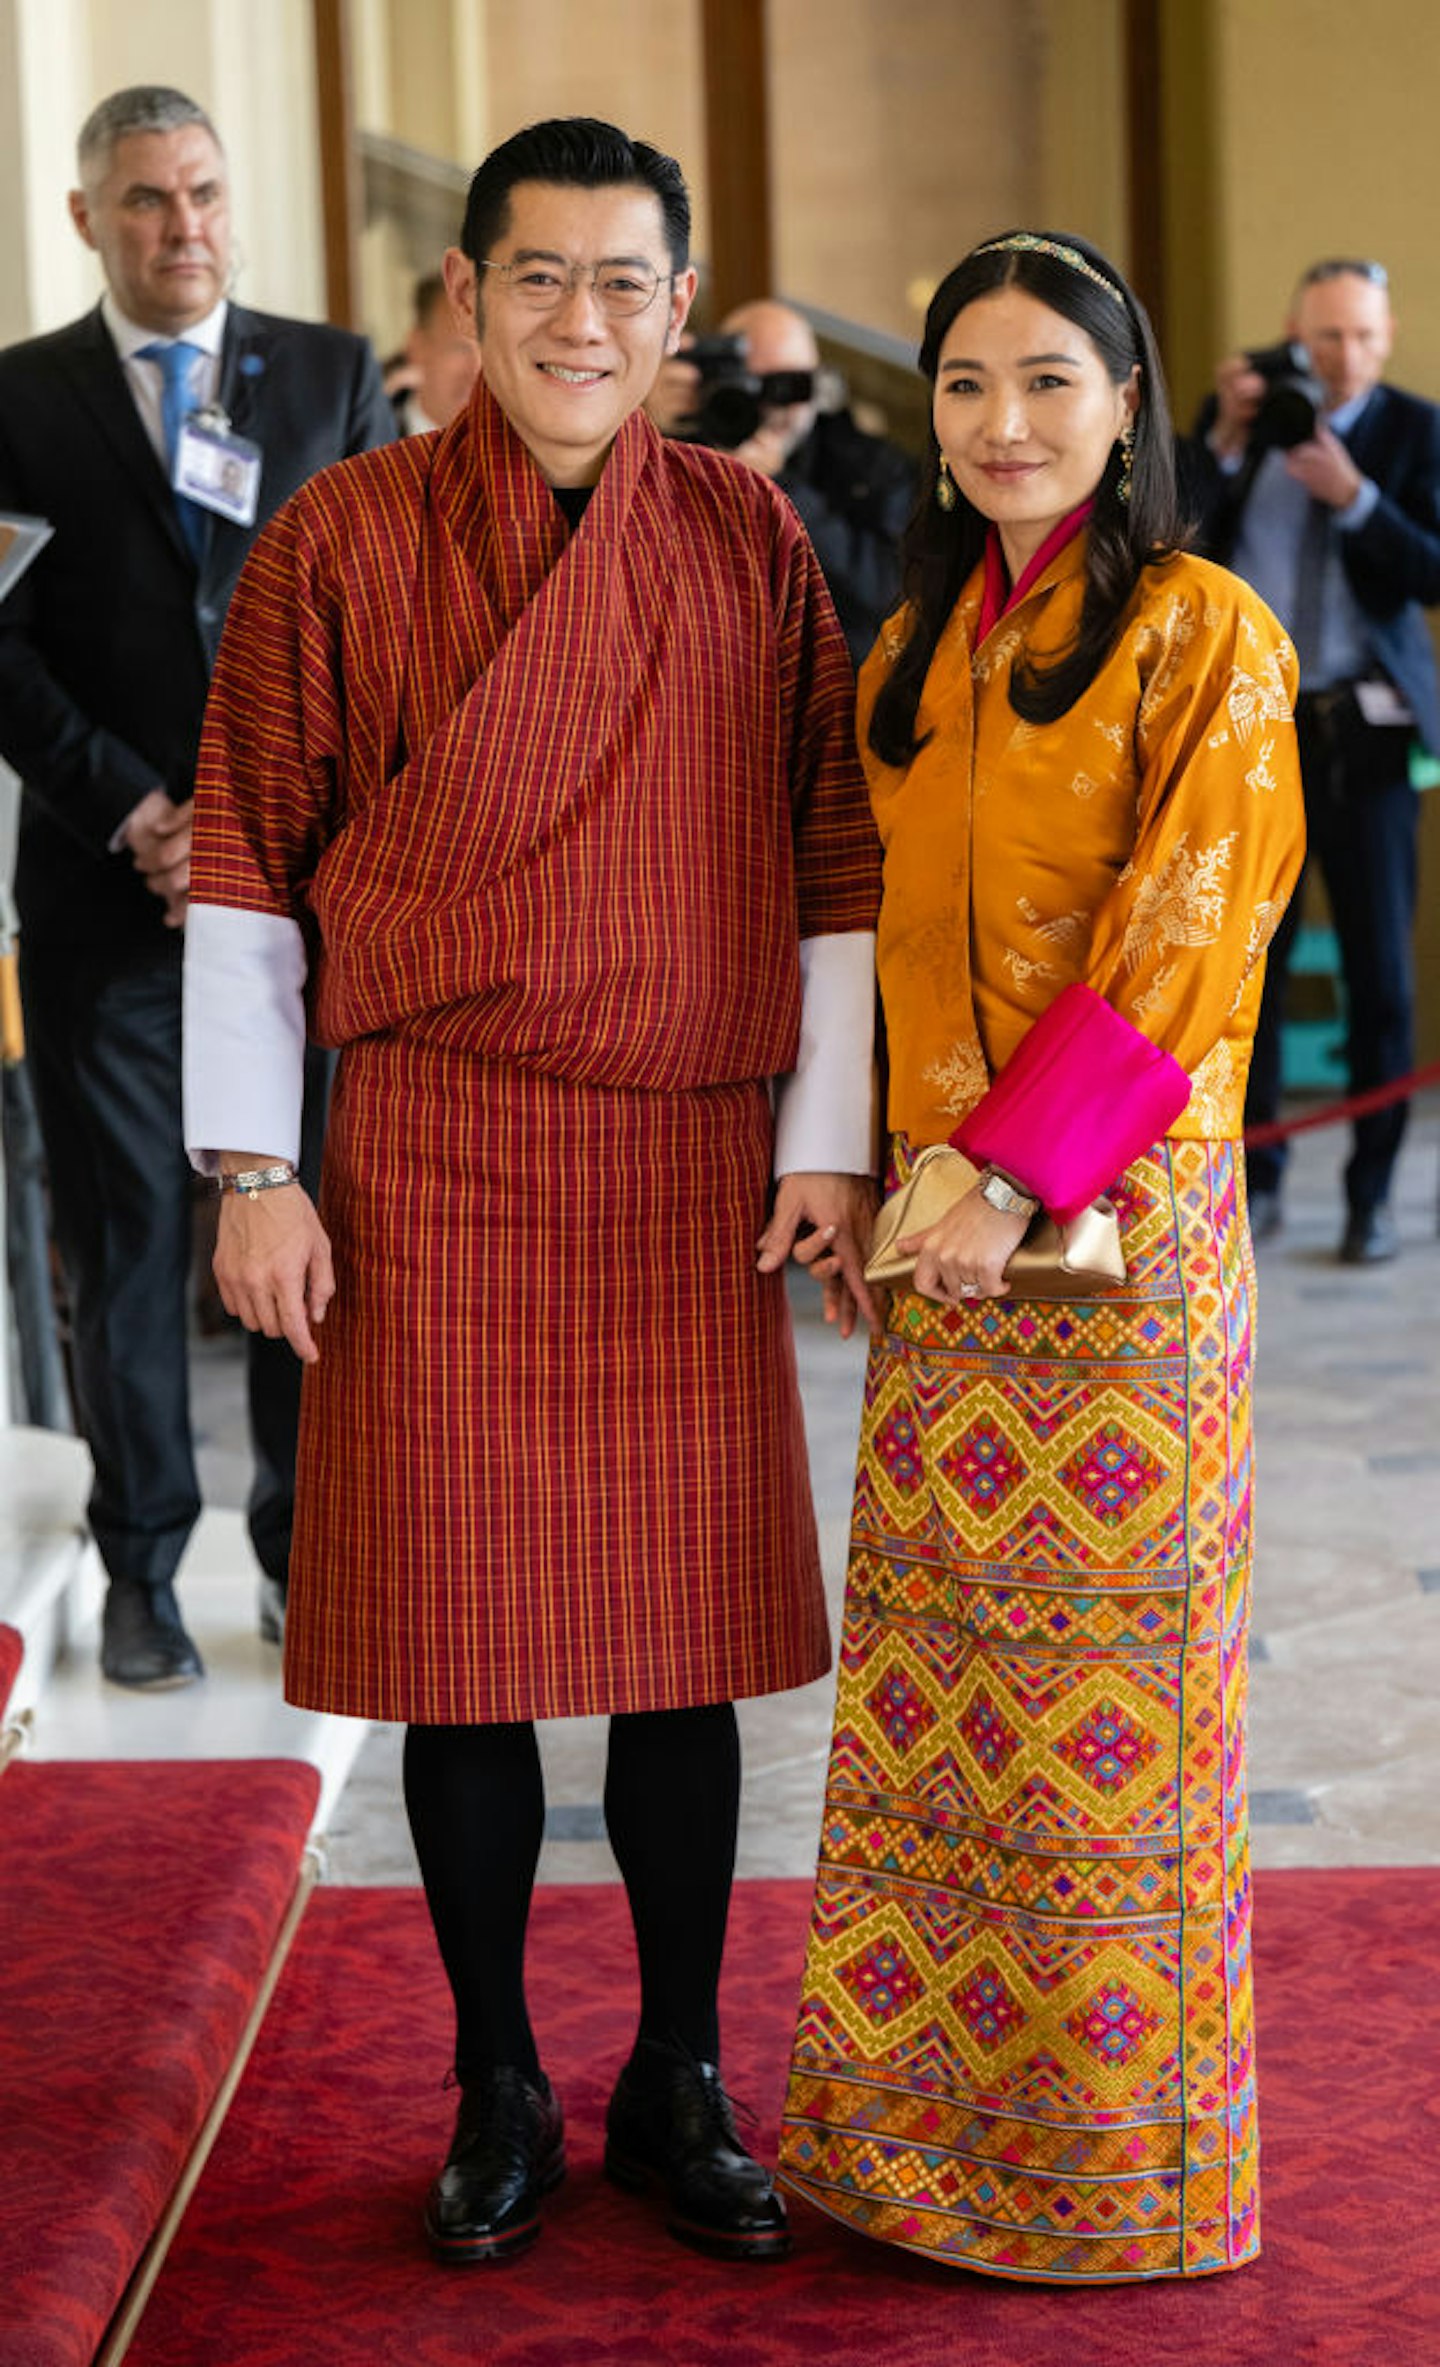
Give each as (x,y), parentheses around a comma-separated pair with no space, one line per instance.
(1025,2040)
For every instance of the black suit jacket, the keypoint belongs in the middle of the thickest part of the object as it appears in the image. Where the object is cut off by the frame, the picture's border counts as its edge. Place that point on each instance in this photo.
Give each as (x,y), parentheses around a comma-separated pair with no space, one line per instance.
(854,493)
(106,645)
(1392,561)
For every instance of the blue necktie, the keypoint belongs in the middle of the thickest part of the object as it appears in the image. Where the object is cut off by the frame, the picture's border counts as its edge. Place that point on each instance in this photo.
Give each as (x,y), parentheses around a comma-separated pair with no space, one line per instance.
(175,408)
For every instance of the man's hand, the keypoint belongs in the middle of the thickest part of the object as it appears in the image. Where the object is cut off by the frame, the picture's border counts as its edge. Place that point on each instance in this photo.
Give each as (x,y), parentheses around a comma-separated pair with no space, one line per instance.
(770,446)
(158,834)
(273,1264)
(1239,392)
(1325,469)
(840,1210)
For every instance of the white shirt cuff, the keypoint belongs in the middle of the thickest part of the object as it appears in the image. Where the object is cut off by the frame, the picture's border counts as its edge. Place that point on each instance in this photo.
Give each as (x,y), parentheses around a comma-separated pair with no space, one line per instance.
(824,1113)
(243,1054)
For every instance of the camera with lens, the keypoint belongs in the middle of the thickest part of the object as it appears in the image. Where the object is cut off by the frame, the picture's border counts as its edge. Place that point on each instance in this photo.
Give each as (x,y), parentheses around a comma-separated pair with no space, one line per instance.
(733,397)
(1293,400)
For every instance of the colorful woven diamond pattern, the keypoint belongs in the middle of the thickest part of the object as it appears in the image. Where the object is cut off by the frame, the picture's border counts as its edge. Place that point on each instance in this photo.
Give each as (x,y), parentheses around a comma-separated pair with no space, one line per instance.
(1025,2038)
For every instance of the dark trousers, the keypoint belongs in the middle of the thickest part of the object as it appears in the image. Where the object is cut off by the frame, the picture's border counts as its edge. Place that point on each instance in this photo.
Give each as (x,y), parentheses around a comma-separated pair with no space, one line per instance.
(103,1042)
(1361,818)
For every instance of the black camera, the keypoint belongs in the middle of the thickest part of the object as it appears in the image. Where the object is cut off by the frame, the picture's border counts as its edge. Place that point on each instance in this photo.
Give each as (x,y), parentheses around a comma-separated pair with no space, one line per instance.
(733,397)
(1293,400)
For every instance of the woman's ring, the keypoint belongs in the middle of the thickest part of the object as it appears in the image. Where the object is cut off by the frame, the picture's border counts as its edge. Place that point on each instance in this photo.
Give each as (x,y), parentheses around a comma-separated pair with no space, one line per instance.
(969,1290)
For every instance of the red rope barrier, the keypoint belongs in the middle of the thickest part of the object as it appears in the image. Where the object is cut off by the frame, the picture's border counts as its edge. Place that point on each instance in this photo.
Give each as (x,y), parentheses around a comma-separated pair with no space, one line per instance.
(1359,1105)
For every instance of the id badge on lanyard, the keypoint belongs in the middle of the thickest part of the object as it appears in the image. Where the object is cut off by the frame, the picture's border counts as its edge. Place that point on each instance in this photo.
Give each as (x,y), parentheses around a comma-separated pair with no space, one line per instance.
(217,469)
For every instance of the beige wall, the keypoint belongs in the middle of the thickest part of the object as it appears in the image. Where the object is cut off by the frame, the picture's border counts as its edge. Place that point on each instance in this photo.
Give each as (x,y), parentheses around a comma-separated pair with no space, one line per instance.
(1080,119)
(1326,135)
(866,223)
(633,62)
(905,130)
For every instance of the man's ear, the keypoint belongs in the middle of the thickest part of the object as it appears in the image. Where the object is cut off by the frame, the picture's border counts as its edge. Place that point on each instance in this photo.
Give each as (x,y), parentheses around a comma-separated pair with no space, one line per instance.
(682,296)
(461,277)
(80,215)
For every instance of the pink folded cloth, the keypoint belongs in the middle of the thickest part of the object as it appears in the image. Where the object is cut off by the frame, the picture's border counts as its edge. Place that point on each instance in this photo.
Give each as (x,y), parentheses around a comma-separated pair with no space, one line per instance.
(1084,1094)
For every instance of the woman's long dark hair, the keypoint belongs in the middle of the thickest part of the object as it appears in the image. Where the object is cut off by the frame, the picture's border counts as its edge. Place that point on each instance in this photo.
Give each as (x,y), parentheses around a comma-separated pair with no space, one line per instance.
(941,547)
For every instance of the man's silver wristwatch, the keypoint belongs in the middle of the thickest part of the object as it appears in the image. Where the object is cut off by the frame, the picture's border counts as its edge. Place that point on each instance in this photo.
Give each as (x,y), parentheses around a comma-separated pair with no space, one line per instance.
(1005,1196)
(251,1180)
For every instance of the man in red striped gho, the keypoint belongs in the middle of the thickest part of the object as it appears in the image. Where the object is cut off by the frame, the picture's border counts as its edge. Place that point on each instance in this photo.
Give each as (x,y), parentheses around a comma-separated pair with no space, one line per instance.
(529,783)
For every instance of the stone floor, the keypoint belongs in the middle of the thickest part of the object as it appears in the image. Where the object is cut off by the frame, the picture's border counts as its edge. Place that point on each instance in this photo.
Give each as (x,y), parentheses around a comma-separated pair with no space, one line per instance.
(1345,1727)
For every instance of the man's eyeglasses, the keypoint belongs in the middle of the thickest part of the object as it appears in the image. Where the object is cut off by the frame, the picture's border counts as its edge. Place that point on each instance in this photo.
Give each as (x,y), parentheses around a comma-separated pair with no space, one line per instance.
(541,283)
(1340,267)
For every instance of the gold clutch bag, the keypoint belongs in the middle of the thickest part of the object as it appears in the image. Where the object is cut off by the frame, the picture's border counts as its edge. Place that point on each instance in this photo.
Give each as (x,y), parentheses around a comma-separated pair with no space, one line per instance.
(1069,1261)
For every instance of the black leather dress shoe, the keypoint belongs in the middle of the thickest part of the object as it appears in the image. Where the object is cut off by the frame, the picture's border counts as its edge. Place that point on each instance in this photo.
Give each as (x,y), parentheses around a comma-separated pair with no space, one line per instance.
(508,2151)
(671,2123)
(272,1609)
(1370,1238)
(143,1642)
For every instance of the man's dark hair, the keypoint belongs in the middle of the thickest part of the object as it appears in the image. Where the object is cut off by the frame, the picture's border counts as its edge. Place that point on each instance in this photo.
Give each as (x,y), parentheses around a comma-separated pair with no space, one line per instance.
(941,548)
(144,107)
(573,152)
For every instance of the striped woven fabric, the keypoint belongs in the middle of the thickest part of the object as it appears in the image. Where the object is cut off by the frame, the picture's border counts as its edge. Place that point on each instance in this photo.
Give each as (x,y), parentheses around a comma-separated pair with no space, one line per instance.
(569,803)
(1025,2040)
(552,1457)
(555,813)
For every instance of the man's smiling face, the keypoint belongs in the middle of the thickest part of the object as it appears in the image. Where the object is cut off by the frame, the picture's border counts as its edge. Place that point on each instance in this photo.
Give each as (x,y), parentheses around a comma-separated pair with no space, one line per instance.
(568,378)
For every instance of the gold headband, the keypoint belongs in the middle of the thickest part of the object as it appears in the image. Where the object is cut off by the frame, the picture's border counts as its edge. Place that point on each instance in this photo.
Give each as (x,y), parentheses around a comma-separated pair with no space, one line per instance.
(1027,242)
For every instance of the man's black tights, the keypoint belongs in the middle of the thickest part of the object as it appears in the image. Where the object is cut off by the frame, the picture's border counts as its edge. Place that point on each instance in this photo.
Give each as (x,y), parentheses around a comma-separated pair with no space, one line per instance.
(475,1797)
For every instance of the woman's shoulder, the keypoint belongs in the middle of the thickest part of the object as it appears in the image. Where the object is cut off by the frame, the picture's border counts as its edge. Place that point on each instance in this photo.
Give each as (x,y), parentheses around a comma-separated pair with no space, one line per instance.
(1197,631)
(1207,596)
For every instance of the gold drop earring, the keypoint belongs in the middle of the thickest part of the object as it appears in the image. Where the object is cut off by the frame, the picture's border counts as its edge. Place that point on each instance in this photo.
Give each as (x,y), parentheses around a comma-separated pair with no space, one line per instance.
(945,486)
(1127,454)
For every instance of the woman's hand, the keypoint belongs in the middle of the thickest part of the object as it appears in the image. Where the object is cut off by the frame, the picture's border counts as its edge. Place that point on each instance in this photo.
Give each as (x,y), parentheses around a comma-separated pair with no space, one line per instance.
(273,1265)
(840,1212)
(964,1256)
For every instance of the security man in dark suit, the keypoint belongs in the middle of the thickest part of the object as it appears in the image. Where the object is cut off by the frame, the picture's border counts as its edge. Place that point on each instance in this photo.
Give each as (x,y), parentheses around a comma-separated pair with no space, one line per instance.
(1329,506)
(105,657)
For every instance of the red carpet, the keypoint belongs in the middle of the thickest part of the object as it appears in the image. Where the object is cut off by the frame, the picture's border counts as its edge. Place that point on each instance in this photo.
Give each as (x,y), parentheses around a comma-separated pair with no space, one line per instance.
(302,2248)
(12,1652)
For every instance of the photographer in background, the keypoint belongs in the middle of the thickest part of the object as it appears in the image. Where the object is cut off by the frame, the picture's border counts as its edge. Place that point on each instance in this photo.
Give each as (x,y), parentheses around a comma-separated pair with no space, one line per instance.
(1321,487)
(754,391)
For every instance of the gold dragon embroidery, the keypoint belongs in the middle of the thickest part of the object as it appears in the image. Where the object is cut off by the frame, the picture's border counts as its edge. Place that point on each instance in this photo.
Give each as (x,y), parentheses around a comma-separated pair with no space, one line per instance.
(1184,904)
(962,1076)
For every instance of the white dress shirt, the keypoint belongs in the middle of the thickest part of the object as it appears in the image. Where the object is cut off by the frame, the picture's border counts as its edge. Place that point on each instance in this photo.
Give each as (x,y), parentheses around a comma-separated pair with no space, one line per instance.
(143,377)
